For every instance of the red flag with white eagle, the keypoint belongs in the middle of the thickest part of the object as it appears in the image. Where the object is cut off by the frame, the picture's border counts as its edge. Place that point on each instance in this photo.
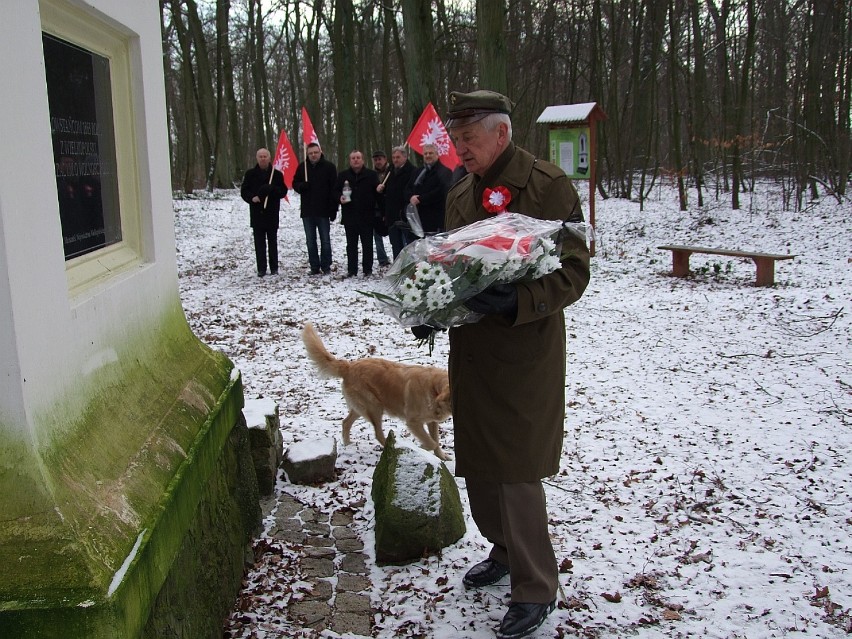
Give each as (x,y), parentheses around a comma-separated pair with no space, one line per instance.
(308,133)
(430,130)
(285,160)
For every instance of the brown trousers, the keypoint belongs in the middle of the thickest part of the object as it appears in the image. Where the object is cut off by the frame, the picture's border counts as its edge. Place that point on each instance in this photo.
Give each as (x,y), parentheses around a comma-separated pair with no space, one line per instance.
(513,517)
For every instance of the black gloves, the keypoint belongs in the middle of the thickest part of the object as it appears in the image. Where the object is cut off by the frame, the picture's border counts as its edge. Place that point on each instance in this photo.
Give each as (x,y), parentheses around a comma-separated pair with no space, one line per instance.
(423,331)
(264,189)
(302,187)
(497,299)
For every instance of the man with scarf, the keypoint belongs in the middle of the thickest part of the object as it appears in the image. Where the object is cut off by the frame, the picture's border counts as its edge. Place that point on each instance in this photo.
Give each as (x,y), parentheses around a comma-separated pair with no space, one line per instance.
(395,201)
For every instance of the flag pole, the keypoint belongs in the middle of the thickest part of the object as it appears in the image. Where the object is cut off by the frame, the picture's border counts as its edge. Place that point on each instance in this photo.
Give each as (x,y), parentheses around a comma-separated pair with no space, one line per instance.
(305,154)
(271,175)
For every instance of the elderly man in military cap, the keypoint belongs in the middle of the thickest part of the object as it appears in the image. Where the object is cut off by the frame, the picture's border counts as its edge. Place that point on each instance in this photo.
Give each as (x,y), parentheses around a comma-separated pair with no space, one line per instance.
(507,371)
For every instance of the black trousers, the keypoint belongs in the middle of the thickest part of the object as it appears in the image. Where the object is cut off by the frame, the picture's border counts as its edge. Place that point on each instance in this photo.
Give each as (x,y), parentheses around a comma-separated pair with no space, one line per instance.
(362,232)
(262,238)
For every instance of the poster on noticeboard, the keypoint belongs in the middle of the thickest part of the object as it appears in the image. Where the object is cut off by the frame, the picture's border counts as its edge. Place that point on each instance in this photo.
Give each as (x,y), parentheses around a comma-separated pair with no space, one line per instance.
(569,150)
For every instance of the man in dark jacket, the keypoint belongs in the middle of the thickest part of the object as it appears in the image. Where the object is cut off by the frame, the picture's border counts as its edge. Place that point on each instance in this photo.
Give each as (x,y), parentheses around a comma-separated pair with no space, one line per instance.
(380,166)
(314,182)
(395,200)
(507,371)
(357,211)
(427,190)
(262,188)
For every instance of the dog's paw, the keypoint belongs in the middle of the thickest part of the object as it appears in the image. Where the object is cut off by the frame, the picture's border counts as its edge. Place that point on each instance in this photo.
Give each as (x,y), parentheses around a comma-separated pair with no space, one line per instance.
(440,454)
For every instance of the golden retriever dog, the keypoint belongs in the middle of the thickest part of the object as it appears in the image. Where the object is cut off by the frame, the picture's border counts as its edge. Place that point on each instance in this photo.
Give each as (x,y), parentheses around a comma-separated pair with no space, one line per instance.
(419,395)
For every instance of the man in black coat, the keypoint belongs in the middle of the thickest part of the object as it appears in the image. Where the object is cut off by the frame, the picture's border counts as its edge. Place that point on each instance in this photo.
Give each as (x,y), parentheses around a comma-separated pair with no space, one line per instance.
(380,166)
(427,190)
(395,200)
(262,188)
(357,211)
(314,182)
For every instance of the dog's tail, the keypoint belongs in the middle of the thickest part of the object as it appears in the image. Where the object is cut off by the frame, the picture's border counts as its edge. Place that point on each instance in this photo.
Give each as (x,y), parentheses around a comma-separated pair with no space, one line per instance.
(328,364)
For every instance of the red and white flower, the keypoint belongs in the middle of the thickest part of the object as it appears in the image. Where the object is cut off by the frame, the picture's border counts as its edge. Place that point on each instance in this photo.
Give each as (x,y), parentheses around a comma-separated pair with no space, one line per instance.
(496,200)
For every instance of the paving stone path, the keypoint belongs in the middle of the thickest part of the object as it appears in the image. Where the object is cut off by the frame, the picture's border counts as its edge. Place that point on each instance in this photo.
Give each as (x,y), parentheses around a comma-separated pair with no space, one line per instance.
(332,562)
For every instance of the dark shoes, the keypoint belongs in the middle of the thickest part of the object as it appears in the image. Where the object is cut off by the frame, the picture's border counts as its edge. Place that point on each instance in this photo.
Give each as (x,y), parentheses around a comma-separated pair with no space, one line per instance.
(523,618)
(485,573)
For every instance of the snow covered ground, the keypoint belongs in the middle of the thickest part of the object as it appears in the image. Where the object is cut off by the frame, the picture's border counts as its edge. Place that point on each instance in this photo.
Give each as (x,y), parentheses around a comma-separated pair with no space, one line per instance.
(706,480)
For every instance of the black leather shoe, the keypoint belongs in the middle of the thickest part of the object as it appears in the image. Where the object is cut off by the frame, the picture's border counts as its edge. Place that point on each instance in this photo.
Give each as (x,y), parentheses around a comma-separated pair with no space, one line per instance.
(523,618)
(485,573)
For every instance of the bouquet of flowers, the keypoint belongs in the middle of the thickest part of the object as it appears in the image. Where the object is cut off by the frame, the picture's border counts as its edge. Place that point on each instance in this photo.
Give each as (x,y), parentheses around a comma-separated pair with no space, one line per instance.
(432,278)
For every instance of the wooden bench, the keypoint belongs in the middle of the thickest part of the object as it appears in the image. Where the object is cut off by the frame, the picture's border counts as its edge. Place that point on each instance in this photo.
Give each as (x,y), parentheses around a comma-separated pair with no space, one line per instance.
(765,262)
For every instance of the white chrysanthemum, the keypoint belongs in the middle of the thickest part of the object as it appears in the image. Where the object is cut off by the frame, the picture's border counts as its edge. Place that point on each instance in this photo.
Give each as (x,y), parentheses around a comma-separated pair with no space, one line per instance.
(489,267)
(411,299)
(424,272)
(536,254)
(514,266)
(442,279)
(445,294)
(432,304)
(547,265)
(548,245)
(438,297)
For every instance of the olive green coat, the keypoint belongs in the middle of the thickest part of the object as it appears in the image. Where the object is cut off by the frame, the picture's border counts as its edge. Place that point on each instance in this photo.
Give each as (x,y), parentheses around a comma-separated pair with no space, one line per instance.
(507,380)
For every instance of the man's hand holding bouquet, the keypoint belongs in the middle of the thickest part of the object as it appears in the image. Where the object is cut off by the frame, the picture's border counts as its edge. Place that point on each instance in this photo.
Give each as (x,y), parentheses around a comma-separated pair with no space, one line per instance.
(433,280)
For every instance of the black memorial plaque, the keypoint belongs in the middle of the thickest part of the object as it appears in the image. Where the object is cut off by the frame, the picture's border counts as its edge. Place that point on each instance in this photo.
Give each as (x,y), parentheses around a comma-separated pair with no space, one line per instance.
(81,125)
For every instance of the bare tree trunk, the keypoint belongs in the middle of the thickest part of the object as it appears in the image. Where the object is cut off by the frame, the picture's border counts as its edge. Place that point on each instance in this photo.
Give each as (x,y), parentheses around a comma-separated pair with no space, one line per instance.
(726,130)
(621,99)
(677,153)
(344,62)
(257,64)
(232,159)
(740,105)
(417,22)
(313,62)
(491,44)
(645,122)
(188,82)
(204,90)
(172,91)
(698,110)
(386,103)
(366,135)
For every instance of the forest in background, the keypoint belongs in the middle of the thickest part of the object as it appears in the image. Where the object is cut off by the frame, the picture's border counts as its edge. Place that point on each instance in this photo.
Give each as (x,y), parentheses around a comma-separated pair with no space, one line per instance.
(705,95)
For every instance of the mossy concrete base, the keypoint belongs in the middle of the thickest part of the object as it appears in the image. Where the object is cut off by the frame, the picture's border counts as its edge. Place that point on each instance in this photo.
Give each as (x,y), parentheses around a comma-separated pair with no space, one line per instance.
(207,573)
(150,489)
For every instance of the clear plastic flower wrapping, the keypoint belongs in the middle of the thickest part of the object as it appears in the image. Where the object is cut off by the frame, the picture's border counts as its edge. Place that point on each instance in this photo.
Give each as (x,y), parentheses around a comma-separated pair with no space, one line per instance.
(432,277)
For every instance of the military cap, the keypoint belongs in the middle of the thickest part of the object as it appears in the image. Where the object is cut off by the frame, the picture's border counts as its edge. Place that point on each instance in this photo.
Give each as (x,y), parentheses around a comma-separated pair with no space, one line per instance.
(379,154)
(467,108)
